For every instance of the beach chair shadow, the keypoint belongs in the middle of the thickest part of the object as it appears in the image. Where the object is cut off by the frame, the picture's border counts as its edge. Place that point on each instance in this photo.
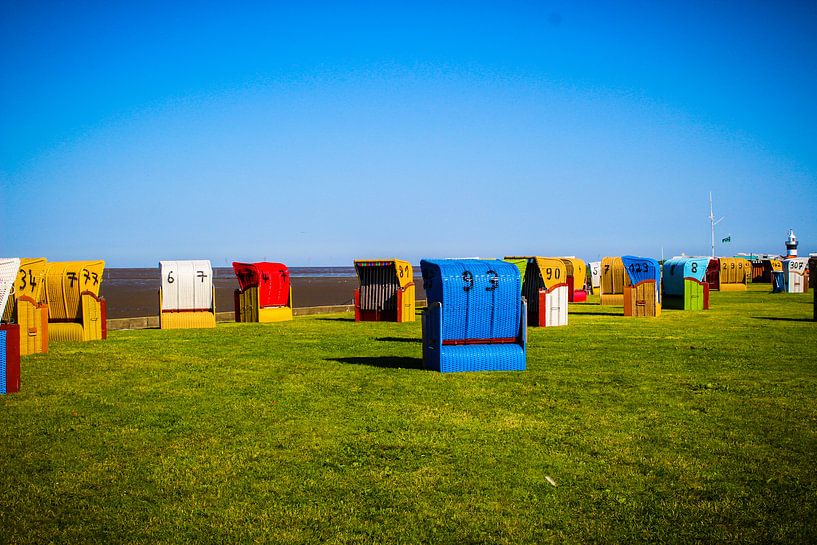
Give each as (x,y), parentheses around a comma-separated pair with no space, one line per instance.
(399,340)
(782,319)
(580,313)
(384,362)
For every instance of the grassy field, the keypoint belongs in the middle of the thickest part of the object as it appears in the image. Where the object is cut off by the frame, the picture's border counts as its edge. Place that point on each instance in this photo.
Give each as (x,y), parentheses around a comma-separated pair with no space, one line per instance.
(695,427)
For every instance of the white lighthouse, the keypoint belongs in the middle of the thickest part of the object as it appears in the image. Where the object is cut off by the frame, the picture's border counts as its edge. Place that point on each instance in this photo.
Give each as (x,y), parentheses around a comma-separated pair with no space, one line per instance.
(791,245)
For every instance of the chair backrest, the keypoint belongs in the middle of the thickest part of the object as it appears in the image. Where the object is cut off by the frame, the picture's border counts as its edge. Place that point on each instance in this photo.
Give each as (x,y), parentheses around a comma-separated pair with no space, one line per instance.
(271,279)
(734,270)
(480,297)
(31,278)
(187,285)
(795,265)
(595,274)
(379,281)
(9,267)
(65,282)
(678,269)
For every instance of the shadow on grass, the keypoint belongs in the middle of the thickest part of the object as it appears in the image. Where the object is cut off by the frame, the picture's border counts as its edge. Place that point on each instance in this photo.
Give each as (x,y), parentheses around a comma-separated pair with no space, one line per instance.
(399,340)
(336,319)
(782,319)
(386,362)
(595,314)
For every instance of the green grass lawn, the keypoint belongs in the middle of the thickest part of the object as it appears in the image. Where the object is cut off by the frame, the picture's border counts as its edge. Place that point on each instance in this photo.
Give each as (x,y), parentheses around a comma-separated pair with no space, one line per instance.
(694,427)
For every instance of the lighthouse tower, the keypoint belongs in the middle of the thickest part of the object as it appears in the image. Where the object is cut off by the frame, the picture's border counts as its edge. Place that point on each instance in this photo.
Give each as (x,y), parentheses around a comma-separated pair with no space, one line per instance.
(791,245)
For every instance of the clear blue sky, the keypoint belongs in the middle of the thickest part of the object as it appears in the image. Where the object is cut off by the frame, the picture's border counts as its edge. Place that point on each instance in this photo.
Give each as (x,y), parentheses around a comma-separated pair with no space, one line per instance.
(313,133)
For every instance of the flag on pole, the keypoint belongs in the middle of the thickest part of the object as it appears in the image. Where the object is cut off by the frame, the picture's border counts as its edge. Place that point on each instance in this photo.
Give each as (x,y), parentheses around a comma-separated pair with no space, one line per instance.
(727,239)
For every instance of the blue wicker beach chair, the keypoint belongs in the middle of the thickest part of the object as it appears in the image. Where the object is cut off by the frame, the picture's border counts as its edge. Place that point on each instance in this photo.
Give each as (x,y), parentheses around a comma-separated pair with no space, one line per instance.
(476,318)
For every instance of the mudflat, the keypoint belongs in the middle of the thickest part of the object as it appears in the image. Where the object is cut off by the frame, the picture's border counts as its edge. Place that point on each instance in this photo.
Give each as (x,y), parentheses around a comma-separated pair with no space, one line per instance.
(132,293)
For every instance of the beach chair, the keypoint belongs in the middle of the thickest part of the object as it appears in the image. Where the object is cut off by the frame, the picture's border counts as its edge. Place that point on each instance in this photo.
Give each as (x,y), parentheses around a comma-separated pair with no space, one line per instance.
(386,291)
(734,273)
(762,270)
(576,279)
(642,296)
(595,276)
(8,273)
(476,318)
(545,288)
(795,274)
(9,333)
(187,298)
(25,309)
(9,358)
(684,283)
(612,281)
(76,312)
(264,294)
(713,274)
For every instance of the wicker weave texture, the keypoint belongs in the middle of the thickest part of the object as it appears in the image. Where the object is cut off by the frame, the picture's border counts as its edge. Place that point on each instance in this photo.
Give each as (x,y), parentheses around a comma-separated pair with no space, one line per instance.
(475,304)
(482,357)
(480,298)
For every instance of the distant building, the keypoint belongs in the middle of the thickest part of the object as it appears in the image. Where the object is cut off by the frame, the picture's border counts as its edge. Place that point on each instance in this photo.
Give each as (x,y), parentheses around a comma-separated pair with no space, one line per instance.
(791,245)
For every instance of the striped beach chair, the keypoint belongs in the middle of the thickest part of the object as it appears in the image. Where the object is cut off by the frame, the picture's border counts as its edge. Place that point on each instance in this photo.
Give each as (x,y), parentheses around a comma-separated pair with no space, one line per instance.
(386,291)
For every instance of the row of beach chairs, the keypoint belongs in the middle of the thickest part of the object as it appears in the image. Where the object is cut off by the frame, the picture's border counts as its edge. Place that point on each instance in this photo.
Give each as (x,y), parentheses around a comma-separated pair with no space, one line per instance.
(477,316)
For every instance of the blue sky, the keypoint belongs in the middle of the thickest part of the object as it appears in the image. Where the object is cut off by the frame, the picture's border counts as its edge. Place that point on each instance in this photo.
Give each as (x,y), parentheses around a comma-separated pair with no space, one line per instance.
(313,133)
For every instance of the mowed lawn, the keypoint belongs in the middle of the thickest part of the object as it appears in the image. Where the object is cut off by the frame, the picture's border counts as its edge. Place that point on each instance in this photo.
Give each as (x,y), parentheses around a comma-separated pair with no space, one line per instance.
(694,427)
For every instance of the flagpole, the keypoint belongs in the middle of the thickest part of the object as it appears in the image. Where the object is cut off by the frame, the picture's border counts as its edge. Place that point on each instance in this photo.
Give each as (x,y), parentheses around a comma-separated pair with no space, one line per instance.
(713,222)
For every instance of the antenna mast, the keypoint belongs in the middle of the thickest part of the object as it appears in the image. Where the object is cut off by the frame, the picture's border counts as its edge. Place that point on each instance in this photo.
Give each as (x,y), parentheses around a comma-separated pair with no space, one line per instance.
(713,222)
